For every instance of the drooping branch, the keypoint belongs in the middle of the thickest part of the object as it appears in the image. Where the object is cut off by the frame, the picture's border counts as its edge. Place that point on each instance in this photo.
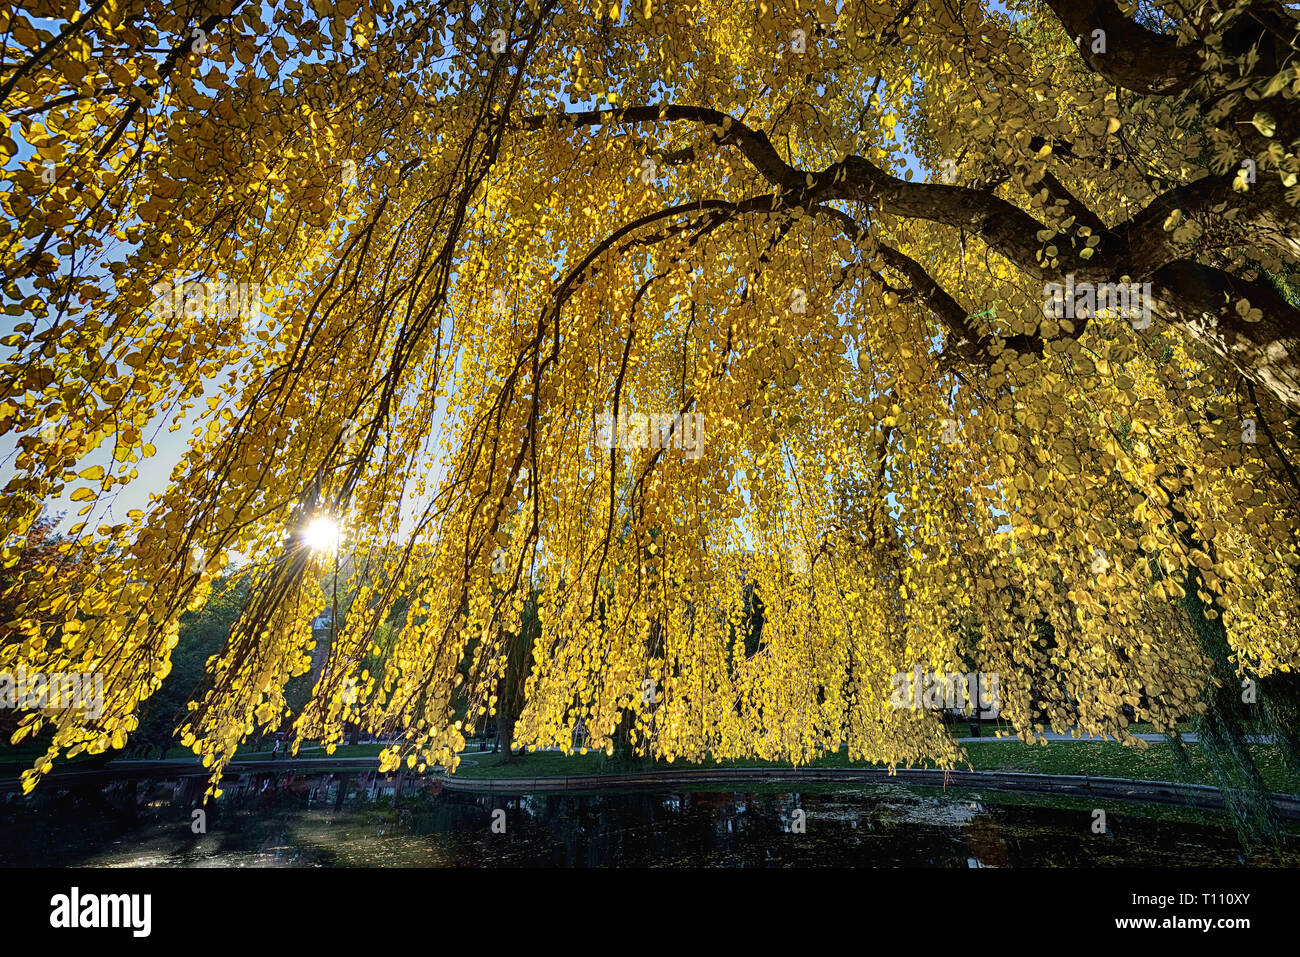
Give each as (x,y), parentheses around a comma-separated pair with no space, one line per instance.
(965,342)
(73,26)
(1135,58)
(754,144)
(1082,213)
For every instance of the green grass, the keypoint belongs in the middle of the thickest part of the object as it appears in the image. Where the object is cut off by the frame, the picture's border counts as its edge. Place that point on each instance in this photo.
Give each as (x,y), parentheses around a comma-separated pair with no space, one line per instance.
(15,758)
(1144,727)
(249,753)
(1108,759)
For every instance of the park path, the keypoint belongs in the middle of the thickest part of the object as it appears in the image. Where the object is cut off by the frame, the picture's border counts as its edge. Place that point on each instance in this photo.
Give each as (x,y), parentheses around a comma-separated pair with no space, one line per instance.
(1189,738)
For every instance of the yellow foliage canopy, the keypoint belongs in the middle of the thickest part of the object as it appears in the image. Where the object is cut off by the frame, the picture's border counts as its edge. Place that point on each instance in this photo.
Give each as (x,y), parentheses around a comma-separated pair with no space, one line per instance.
(418,266)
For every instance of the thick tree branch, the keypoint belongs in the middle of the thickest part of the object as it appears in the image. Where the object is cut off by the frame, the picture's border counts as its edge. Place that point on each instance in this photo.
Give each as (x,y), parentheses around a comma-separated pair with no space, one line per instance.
(1197,299)
(1003,225)
(1136,58)
(1202,302)
(1144,245)
(1083,215)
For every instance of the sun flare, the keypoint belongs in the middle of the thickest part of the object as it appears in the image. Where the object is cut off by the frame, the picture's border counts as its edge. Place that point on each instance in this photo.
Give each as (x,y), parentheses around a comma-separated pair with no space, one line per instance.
(322,535)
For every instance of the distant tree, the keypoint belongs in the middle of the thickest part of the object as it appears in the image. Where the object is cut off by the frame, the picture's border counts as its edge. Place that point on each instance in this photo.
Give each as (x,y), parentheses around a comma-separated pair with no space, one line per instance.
(203,634)
(42,550)
(519,662)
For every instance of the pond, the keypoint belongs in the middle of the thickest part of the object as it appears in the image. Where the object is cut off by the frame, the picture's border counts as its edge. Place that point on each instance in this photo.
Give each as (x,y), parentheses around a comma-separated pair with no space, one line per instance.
(356,820)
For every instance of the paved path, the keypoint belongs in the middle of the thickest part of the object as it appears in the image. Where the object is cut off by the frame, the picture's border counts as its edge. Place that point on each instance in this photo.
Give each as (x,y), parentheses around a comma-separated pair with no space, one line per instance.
(1189,738)
(730,779)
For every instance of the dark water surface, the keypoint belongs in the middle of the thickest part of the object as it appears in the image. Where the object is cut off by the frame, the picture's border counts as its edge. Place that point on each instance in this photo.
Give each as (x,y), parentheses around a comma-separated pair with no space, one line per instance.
(352,820)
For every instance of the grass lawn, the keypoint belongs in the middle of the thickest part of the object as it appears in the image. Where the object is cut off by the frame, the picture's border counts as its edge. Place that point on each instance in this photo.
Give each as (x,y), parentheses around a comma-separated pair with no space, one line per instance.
(249,753)
(1108,759)
(16,758)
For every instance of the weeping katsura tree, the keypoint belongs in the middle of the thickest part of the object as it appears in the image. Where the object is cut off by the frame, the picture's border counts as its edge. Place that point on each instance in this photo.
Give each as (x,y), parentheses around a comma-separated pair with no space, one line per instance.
(903,321)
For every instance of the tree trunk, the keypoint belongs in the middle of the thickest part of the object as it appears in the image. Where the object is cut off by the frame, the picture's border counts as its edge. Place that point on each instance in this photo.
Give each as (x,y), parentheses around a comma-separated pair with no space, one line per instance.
(505,733)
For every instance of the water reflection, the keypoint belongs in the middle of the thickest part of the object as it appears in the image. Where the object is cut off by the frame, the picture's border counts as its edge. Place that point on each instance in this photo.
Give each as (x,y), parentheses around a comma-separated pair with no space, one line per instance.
(349,820)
